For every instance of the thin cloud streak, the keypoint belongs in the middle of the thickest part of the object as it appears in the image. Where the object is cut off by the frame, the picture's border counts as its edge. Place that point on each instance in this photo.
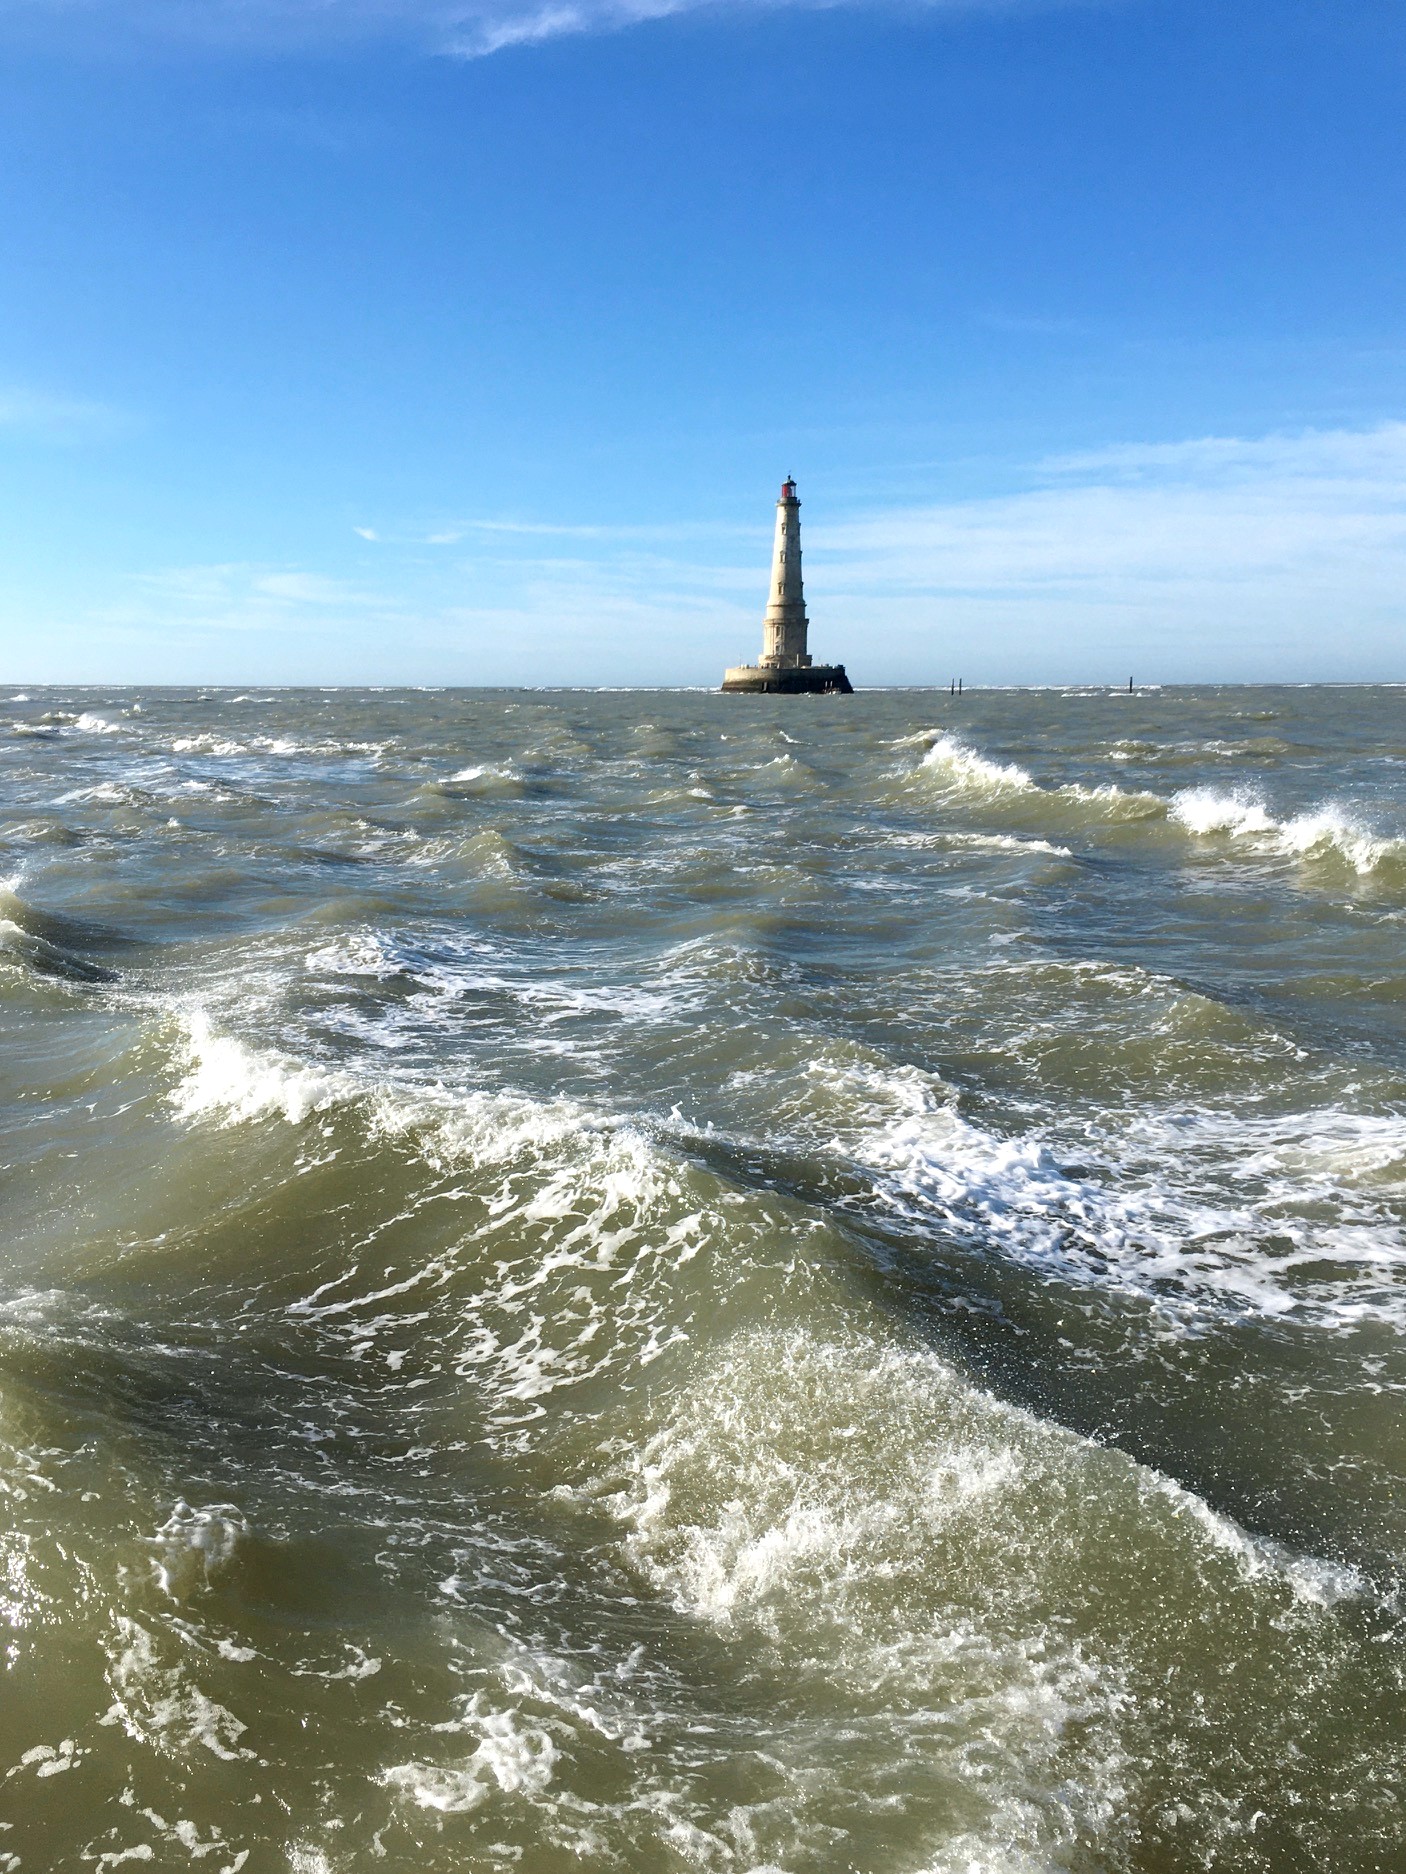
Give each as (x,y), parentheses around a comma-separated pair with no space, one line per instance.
(457,532)
(215,599)
(55,419)
(1220,558)
(1235,557)
(468,29)
(1328,506)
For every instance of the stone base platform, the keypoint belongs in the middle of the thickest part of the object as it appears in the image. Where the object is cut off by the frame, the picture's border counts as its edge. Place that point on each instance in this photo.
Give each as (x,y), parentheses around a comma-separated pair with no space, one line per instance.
(813,680)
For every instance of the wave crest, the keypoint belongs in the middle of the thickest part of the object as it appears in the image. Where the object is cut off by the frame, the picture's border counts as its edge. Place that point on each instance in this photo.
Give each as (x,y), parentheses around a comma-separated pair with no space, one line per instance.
(962,767)
(1328,832)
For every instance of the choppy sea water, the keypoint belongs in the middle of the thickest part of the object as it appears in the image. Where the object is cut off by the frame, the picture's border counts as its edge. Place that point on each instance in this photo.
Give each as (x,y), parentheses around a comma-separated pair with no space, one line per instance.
(669,1282)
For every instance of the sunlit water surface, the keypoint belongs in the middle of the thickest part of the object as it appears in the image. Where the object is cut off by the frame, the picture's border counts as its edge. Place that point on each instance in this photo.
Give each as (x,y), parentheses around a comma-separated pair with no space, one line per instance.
(670,1282)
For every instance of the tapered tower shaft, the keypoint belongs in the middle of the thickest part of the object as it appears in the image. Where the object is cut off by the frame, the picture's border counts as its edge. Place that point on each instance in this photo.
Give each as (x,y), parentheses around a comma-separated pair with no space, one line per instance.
(784,628)
(784,667)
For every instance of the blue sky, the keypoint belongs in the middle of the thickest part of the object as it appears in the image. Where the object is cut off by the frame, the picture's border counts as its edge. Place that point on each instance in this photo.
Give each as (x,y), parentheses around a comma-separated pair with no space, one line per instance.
(427,341)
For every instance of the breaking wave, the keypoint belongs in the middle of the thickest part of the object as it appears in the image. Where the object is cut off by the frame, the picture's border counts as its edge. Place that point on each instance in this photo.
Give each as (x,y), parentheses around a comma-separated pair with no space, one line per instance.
(961,770)
(1325,833)
(1309,1230)
(964,768)
(521,1281)
(1322,833)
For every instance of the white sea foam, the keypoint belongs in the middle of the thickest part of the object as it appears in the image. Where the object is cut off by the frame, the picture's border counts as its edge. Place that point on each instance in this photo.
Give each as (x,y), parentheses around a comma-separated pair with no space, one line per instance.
(1326,832)
(535,1001)
(1331,830)
(481,778)
(859,1517)
(183,1835)
(45,1760)
(208,745)
(194,1546)
(963,771)
(1291,1216)
(89,724)
(865,1520)
(962,767)
(1321,833)
(358,953)
(978,842)
(1312,1580)
(601,1699)
(160,1704)
(512,1758)
(230,1082)
(104,793)
(1208,810)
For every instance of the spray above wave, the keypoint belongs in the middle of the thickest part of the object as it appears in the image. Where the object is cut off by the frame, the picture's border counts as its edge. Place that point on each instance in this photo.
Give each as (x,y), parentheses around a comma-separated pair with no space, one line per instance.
(962,767)
(962,771)
(1326,833)
(1321,833)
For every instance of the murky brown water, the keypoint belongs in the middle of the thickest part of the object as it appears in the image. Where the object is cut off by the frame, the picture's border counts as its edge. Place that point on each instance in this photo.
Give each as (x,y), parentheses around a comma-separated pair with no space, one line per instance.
(664,1281)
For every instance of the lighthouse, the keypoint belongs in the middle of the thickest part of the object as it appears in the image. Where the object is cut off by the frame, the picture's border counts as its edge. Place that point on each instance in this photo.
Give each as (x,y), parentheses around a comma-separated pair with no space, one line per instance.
(784,667)
(784,628)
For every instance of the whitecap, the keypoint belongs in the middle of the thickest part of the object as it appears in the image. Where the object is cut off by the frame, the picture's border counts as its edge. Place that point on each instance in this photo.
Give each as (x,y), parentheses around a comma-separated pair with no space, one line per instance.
(961,767)
(1287,1216)
(1319,833)
(195,1545)
(962,770)
(228,1081)
(207,745)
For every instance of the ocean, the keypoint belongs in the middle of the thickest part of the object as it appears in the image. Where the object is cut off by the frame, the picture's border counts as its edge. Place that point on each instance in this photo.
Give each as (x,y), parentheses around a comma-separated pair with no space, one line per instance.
(656,1281)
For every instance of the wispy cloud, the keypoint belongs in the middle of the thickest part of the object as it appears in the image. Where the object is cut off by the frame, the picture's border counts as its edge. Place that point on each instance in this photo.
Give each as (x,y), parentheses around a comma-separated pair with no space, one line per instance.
(531,534)
(199,600)
(1141,518)
(459,28)
(36,413)
(1214,558)
(1373,456)
(1230,556)
(1219,556)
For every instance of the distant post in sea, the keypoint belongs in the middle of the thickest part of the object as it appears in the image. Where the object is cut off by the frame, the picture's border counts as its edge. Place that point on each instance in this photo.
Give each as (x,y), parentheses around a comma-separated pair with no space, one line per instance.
(784,667)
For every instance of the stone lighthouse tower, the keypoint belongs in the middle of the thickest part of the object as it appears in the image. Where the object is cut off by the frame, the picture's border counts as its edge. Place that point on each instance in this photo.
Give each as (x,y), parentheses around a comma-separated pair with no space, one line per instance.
(784,666)
(784,627)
